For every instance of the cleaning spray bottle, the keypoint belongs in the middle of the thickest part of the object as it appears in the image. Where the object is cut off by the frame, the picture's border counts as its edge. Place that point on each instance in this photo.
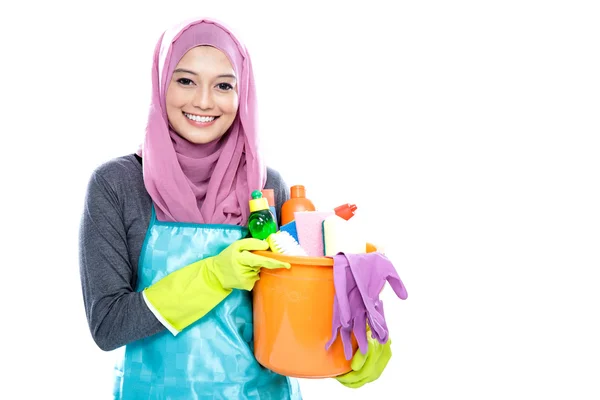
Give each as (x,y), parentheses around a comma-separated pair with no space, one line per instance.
(345,211)
(261,222)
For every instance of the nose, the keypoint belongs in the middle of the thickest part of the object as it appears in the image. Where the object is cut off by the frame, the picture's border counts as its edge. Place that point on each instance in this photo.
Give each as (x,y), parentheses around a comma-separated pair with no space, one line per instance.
(203,98)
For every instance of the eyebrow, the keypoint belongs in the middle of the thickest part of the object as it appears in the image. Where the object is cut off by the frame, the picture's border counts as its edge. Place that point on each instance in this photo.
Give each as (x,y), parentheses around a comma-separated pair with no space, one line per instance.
(193,73)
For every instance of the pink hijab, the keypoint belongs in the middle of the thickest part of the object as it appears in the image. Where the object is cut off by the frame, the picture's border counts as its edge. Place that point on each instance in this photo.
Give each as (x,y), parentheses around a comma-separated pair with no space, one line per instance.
(202,183)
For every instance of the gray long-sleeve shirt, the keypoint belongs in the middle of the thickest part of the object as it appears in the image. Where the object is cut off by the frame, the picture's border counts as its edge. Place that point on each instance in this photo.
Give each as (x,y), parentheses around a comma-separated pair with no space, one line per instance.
(113,227)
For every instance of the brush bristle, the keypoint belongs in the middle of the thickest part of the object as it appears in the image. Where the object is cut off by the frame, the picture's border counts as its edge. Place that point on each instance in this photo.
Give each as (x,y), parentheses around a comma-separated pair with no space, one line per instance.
(284,243)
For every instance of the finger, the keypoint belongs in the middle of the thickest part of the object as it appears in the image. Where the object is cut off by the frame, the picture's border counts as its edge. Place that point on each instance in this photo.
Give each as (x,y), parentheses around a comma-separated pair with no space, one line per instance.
(352,380)
(249,282)
(360,332)
(353,385)
(386,353)
(347,379)
(254,260)
(273,264)
(378,366)
(370,363)
(356,384)
(359,360)
(372,368)
(250,272)
(252,244)
(345,336)
(382,362)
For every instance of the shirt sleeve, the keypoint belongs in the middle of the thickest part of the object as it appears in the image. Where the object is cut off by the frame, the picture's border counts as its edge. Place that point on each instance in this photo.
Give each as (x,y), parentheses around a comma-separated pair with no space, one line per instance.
(280,190)
(116,313)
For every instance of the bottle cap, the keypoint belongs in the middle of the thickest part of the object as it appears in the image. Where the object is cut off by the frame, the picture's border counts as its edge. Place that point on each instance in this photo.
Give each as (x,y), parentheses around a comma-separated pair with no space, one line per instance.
(297,191)
(258,202)
(345,211)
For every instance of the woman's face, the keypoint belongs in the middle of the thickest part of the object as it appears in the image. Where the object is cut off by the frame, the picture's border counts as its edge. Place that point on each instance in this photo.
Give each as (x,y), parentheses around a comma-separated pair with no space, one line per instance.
(202,98)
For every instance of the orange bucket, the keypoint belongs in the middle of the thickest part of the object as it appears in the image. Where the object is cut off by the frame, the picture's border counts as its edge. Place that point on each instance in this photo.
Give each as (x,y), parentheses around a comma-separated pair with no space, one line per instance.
(293,312)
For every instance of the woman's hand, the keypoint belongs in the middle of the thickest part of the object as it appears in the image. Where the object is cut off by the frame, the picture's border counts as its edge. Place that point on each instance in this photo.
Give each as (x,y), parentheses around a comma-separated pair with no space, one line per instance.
(367,367)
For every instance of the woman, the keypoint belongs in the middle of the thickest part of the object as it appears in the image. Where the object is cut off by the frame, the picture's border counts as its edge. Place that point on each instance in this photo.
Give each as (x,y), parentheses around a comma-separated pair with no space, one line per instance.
(166,267)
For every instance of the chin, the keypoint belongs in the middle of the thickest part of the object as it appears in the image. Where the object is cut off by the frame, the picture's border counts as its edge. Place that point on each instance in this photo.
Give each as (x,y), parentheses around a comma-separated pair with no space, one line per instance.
(194,137)
(201,140)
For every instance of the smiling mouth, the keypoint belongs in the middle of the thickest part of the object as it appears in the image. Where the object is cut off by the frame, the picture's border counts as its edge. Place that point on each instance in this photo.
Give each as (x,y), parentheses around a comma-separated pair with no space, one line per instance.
(200,118)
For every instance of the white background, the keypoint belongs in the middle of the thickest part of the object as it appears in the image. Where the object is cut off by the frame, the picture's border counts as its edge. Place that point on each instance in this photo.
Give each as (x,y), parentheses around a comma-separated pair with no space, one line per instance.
(465,131)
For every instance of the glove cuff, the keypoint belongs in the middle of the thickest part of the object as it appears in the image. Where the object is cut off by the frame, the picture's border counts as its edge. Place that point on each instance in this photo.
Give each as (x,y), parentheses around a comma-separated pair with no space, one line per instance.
(158,315)
(184,296)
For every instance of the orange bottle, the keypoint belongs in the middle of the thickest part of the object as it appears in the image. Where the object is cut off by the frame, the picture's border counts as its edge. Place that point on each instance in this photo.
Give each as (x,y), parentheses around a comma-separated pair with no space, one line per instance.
(296,202)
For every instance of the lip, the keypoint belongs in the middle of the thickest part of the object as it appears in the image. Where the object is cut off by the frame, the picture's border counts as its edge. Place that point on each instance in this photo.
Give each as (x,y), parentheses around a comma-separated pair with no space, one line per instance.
(198,123)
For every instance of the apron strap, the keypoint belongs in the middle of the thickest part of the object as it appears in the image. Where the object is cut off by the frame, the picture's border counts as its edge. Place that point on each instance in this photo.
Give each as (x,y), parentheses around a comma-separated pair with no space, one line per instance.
(153,215)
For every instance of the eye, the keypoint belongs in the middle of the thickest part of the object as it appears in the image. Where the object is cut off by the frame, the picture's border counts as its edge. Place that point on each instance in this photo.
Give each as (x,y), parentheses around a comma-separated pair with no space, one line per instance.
(224,86)
(185,81)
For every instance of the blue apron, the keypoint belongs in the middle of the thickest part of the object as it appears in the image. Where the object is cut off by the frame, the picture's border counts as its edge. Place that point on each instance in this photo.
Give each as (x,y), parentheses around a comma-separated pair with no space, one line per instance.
(211,359)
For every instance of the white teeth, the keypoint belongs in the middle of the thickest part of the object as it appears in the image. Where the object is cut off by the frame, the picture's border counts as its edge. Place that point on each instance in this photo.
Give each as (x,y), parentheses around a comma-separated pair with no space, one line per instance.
(198,118)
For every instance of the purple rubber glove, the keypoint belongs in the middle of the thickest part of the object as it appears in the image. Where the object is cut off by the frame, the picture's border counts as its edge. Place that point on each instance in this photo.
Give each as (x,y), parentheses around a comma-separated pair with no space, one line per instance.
(349,311)
(371,271)
(358,280)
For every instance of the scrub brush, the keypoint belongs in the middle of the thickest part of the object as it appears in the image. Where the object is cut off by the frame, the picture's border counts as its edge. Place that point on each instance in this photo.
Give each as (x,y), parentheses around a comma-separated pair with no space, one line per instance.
(284,243)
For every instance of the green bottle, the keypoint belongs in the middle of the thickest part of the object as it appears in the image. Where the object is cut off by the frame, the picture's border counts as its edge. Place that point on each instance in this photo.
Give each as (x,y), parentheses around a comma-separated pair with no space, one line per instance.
(261,222)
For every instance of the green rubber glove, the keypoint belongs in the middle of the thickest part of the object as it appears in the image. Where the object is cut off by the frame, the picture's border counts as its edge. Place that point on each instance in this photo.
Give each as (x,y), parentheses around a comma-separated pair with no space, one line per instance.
(367,367)
(237,268)
(186,295)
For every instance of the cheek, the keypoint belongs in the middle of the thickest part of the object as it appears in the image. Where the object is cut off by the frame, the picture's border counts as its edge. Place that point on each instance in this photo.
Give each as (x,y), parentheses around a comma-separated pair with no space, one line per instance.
(173,112)
(175,98)
(230,104)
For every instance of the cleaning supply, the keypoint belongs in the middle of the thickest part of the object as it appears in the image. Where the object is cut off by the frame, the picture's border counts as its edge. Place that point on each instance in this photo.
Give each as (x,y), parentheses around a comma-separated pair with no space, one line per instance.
(290,228)
(283,243)
(309,225)
(371,272)
(373,247)
(340,235)
(367,367)
(186,295)
(261,222)
(349,315)
(269,194)
(293,310)
(358,280)
(345,211)
(296,202)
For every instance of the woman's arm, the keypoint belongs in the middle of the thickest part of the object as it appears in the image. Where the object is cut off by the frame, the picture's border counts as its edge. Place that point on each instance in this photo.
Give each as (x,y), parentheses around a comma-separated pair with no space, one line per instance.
(280,190)
(116,313)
